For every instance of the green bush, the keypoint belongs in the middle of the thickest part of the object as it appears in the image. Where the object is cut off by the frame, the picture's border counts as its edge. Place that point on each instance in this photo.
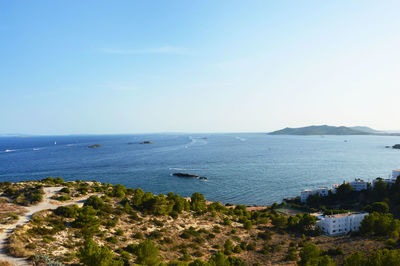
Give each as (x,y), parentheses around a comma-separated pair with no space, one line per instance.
(87,221)
(390,243)
(380,224)
(210,236)
(158,222)
(216,229)
(237,249)
(138,235)
(243,245)
(291,256)
(25,196)
(63,198)
(65,190)
(226,221)
(155,235)
(198,203)
(119,232)
(174,214)
(30,246)
(266,235)
(131,248)
(13,216)
(311,255)
(188,233)
(112,239)
(119,191)
(147,253)
(228,247)
(334,251)
(93,255)
(247,225)
(95,202)
(185,255)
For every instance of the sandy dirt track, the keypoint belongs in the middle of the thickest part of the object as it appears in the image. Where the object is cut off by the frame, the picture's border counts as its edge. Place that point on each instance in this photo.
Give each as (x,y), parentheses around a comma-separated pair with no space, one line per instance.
(46,204)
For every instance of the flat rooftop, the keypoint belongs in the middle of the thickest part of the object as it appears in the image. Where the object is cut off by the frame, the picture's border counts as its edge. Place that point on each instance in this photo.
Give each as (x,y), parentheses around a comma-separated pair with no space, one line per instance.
(344,214)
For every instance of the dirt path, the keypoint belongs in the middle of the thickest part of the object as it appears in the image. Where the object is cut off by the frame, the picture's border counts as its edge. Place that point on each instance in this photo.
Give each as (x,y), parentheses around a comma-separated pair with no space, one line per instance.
(46,204)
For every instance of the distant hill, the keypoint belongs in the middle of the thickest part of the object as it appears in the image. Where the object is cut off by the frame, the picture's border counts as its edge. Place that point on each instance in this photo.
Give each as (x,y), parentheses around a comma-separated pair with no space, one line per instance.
(367,129)
(325,130)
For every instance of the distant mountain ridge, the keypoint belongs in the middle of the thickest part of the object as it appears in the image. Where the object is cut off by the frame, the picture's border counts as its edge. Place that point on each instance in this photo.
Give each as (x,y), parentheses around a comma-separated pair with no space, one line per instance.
(327,130)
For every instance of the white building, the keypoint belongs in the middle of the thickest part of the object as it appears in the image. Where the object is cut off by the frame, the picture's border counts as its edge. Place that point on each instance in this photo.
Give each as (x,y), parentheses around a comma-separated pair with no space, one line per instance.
(359,184)
(322,191)
(306,193)
(339,224)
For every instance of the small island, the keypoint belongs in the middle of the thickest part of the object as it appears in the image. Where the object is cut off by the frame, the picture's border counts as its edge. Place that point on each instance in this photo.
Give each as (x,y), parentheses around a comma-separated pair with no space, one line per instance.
(331,130)
(324,130)
(396,146)
(185,175)
(146,142)
(95,146)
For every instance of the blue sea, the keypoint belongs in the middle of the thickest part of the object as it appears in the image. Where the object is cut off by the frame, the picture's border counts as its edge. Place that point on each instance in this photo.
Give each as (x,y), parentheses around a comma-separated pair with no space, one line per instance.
(252,169)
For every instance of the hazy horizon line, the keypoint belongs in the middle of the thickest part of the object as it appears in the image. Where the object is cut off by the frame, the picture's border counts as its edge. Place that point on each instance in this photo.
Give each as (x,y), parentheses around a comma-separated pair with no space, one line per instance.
(170,132)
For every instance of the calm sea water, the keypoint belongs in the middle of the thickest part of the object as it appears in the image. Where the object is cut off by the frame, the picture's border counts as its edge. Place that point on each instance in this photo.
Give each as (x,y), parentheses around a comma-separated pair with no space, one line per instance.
(241,168)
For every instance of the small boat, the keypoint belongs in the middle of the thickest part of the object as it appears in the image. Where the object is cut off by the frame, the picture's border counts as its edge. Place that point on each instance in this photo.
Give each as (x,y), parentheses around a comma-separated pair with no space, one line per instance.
(55,142)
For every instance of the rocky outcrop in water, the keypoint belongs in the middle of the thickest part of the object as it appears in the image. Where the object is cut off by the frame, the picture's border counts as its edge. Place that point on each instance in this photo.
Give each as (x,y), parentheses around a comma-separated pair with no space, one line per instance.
(95,146)
(146,142)
(185,175)
(397,146)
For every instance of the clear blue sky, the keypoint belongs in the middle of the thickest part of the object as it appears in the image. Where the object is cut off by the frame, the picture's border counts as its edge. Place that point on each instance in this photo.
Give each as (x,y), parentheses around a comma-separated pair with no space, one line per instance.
(70,67)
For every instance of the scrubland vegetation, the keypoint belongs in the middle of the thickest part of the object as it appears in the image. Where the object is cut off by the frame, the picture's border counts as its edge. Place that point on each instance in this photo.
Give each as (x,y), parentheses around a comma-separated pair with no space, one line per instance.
(23,195)
(123,226)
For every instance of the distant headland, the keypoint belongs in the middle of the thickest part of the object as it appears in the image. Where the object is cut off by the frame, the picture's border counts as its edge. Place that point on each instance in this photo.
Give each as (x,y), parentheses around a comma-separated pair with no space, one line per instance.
(331,130)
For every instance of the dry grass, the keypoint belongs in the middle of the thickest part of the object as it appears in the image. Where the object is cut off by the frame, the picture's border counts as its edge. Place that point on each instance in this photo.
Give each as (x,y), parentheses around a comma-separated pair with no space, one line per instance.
(5,263)
(9,211)
(16,244)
